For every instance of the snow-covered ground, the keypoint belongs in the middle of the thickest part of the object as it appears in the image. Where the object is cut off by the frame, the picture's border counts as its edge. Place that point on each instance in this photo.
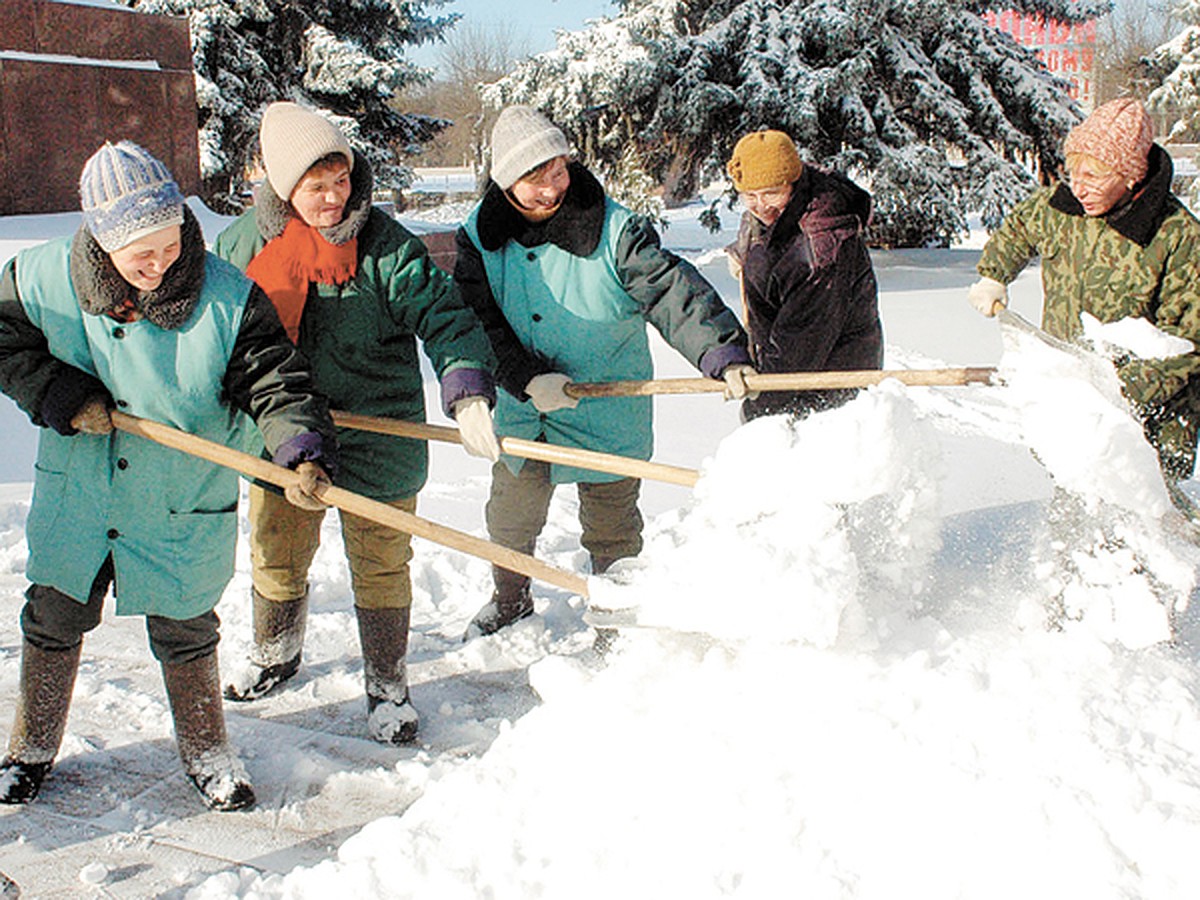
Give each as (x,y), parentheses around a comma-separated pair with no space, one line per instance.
(881,657)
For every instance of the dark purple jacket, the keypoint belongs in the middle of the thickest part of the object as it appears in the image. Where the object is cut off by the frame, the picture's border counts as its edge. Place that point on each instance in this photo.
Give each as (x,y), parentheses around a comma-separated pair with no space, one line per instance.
(811,299)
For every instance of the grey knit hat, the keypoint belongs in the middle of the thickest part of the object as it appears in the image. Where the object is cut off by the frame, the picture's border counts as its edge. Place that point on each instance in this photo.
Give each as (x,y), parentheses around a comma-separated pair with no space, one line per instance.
(523,139)
(293,138)
(126,194)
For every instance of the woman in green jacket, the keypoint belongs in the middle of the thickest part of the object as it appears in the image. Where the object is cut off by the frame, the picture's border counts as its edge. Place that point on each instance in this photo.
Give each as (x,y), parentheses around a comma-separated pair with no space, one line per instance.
(355,291)
(133,313)
(1114,242)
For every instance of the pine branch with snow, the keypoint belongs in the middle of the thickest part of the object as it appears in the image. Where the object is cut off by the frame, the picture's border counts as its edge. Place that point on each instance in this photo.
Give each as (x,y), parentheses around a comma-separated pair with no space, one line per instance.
(346,58)
(936,112)
(1176,66)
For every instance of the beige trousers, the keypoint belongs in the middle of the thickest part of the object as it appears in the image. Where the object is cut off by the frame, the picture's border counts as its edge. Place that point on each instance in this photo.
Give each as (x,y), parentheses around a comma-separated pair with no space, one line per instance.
(284,540)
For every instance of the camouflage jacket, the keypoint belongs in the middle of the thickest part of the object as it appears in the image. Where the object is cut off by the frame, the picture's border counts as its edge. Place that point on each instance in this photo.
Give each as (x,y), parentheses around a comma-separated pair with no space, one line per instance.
(1142,259)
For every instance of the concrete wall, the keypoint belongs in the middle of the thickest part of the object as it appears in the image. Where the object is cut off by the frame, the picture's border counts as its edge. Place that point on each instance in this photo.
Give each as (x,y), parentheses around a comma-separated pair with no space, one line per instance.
(72,77)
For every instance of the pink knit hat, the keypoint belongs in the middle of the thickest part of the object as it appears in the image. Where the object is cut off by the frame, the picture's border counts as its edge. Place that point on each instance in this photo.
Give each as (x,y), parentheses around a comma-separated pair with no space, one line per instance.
(1119,134)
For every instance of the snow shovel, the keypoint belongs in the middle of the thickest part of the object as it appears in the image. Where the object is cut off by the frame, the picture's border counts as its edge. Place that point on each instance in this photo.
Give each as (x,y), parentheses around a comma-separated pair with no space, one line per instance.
(552,453)
(787,381)
(261,469)
(1099,368)
(1103,375)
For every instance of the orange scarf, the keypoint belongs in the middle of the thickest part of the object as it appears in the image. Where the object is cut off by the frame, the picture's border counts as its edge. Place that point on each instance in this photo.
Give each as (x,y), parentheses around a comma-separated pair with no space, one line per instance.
(286,266)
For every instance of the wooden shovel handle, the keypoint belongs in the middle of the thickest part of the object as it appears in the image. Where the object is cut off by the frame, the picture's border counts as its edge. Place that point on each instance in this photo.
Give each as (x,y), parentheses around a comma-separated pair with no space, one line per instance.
(552,453)
(263,470)
(786,381)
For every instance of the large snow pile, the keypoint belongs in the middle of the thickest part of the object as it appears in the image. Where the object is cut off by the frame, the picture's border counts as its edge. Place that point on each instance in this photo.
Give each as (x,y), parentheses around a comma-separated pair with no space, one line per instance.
(841,690)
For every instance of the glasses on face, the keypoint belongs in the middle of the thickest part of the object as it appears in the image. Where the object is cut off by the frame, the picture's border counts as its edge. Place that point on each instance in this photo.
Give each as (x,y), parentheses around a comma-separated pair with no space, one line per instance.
(767,195)
(1092,180)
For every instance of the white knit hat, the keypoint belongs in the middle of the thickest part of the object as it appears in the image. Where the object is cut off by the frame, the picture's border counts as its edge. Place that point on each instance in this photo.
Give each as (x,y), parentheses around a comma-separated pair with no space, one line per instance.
(293,138)
(523,139)
(126,194)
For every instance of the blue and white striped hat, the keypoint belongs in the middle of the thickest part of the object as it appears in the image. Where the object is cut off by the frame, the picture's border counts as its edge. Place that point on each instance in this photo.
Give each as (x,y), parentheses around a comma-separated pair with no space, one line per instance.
(127,194)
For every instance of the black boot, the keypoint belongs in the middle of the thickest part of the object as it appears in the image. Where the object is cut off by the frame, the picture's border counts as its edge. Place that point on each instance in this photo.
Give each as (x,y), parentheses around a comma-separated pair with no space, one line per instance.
(511,601)
(383,633)
(47,679)
(278,641)
(194,689)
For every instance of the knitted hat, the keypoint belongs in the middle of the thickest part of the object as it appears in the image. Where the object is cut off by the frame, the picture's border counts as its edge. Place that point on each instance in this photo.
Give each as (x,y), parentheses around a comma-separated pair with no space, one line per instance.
(764,159)
(126,194)
(1119,134)
(523,139)
(293,138)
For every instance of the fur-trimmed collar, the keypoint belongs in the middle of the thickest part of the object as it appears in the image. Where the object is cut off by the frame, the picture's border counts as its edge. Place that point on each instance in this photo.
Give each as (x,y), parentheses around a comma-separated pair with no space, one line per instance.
(101,289)
(271,212)
(576,227)
(1140,218)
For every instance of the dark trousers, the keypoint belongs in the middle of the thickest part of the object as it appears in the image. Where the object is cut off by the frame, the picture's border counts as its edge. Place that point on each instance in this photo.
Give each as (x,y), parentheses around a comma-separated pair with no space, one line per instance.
(608,511)
(52,621)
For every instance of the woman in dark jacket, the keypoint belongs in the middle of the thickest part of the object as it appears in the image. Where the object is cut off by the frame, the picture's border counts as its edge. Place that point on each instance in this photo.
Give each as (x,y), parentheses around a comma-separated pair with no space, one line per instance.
(810,294)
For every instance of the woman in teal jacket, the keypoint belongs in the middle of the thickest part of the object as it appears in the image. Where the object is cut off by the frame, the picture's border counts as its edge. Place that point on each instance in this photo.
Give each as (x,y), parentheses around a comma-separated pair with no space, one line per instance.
(132,312)
(565,281)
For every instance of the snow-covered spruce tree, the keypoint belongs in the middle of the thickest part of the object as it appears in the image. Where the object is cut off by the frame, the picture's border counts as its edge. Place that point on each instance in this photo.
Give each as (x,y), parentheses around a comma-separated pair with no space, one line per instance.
(919,100)
(1176,67)
(346,57)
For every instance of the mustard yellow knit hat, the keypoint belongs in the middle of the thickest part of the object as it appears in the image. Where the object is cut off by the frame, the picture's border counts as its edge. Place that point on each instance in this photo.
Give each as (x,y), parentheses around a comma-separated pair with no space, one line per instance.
(764,159)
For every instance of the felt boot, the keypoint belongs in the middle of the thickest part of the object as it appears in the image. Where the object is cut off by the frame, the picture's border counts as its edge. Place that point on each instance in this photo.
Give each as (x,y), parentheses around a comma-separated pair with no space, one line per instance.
(47,679)
(278,641)
(383,633)
(194,689)
(511,601)
(605,637)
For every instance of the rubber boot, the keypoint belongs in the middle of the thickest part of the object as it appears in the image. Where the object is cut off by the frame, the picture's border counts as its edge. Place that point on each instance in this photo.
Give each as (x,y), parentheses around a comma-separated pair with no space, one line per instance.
(383,633)
(511,601)
(47,680)
(194,689)
(278,642)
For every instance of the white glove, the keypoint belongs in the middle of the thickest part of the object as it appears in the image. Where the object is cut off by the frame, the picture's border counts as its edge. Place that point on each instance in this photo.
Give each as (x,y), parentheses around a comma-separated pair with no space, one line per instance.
(548,394)
(988,295)
(93,417)
(303,492)
(735,381)
(475,427)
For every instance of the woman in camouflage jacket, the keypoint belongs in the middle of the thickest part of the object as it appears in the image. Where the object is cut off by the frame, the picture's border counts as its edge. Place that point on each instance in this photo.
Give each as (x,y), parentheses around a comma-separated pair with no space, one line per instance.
(1114,242)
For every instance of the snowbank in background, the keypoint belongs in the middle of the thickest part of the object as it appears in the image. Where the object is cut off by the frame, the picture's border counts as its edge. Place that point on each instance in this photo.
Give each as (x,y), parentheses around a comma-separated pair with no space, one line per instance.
(840,692)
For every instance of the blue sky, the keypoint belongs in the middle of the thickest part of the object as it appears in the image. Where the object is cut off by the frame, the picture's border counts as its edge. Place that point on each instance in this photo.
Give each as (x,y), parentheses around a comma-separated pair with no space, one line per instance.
(531,21)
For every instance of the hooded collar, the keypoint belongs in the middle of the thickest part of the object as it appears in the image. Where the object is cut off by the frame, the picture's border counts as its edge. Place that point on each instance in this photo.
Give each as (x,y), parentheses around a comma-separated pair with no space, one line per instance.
(1139,218)
(101,289)
(576,226)
(272,213)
